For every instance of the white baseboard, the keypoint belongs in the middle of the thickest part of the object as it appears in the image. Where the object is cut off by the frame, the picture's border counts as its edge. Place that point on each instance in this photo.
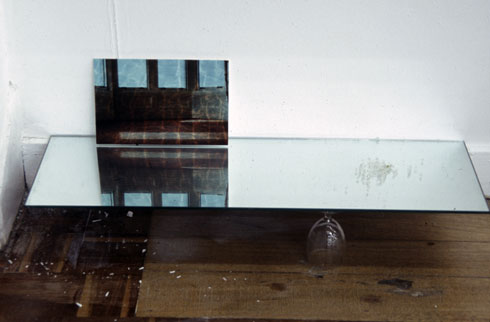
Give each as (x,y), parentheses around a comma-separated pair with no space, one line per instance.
(11,185)
(32,154)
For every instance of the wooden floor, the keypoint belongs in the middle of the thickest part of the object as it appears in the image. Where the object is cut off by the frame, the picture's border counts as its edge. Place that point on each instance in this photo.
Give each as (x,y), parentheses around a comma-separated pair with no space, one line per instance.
(89,265)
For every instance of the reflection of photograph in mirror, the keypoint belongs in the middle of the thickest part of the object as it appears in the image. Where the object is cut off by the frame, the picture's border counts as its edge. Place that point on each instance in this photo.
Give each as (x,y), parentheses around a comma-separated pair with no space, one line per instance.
(168,177)
(140,101)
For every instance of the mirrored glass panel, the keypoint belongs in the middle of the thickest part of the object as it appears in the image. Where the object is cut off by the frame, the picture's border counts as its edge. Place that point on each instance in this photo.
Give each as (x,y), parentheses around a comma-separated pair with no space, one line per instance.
(316,174)
(100,77)
(172,74)
(213,201)
(132,73)
(175,176)
(137,199)
(175,199)
(170,101)
(107,199)
(212,73)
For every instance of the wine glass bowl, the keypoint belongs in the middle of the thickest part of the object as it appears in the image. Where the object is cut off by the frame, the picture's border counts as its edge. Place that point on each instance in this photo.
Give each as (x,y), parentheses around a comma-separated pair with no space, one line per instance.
(326,242)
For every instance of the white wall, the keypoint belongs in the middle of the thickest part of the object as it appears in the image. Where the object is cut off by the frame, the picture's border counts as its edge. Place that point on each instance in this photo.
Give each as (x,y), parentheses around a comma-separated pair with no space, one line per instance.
(11,168)
(342,68)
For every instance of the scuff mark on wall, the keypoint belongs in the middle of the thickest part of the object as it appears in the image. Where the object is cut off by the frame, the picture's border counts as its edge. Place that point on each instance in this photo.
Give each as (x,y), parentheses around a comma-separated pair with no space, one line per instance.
(113,21)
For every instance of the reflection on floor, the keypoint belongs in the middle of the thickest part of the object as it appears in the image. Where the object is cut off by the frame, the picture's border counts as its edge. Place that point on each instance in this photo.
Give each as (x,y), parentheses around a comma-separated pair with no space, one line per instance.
(120,265)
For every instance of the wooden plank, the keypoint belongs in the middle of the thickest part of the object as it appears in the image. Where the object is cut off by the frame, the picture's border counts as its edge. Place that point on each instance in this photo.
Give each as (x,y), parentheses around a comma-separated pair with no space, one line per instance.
(233,291)
(416,226)
(440,240)
(41,287)
(140,240)
(62,258)
(106,319)
(125,302)
(290,224)
(88,292)
(450,255)
(26,259)
(100,294)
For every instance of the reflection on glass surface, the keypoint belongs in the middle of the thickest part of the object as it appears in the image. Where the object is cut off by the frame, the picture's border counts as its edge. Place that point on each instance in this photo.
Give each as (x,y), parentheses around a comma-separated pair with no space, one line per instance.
(171,74)
(100,78)
(321,174)
(178,175)
(175,199)
(132,73)
(212,73)
(107,199)
(137,199)
(212,201)
(161,101)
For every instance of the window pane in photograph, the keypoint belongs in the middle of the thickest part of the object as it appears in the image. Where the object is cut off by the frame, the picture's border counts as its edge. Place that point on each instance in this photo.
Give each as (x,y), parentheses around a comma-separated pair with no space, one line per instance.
(175,200)
(212,200)
(171,74)
(100,78)
(107,199)
(137,199)
(212,73)
(132,73)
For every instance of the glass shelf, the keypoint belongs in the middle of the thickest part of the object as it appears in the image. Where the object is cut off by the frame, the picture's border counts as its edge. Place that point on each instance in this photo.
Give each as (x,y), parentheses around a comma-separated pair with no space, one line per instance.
(321,174)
